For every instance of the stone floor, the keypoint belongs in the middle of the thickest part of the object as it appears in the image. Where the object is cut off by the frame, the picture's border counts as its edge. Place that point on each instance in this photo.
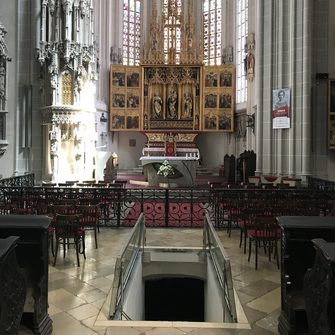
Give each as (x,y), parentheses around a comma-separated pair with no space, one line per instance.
(77,294)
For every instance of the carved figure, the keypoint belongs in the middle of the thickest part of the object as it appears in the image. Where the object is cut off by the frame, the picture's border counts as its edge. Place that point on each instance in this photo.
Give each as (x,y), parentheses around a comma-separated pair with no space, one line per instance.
(157,105)
(251,64)
(2,100)
(2,76)
(188,106)
(172,104)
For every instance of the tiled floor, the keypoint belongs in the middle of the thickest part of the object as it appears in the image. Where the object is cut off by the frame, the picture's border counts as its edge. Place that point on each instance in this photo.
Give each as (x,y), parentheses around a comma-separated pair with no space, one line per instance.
(76,295)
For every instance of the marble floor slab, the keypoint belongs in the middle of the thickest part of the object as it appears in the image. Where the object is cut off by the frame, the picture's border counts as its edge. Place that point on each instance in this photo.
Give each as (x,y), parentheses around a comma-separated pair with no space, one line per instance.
(78,296)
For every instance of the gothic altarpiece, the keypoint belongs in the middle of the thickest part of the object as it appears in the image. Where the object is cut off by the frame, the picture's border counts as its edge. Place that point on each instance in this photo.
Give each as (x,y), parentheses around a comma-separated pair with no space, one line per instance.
(172,91)
(67,83)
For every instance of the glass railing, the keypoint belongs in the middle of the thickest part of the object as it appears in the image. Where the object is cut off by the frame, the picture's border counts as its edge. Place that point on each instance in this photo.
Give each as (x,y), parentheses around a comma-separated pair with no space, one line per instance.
(222,267)
(124,265)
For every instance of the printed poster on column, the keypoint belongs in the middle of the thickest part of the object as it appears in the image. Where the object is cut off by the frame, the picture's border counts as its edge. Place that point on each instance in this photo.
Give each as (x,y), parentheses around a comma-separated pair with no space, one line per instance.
(281,108)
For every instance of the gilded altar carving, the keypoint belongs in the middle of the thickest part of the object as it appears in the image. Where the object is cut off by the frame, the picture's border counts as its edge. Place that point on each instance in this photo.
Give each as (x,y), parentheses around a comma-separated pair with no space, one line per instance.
(172,89)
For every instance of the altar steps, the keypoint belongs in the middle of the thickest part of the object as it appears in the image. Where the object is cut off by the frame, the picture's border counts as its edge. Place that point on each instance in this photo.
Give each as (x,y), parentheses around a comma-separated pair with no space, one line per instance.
(202,170)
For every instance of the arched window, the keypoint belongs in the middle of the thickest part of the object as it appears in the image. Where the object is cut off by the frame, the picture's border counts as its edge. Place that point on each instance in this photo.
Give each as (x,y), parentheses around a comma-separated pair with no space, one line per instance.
(242,33)
(172,29)
(212,32)
(131,32)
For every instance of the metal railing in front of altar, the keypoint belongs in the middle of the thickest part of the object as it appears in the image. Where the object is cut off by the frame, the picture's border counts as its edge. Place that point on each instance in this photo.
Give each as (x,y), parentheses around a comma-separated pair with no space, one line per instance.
(26,180)
(122,207)
(166,207)
(321,184)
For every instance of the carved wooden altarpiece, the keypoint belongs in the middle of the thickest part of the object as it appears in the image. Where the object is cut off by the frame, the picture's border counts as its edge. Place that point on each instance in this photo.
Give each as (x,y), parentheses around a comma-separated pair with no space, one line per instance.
(171,90)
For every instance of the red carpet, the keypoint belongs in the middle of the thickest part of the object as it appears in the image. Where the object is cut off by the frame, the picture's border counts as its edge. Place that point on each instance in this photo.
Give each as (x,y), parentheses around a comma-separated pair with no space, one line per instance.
(179,214)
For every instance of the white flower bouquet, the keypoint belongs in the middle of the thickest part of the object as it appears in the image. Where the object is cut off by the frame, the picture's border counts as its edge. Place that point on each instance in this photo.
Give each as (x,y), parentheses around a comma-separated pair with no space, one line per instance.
(165,169)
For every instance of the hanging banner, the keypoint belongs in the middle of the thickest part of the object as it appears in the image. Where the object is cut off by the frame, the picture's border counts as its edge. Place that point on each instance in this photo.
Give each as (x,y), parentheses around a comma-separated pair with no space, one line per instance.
(281,108)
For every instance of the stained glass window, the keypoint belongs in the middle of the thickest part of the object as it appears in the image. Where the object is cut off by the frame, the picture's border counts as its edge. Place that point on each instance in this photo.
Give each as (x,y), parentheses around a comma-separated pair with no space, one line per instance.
(172,34)
(131,32)
(212,32)
(241,33)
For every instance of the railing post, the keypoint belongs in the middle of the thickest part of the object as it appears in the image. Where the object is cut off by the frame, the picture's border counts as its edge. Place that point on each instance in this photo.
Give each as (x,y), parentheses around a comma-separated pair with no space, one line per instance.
(142,200)
(167,205)
(191,208)
(118,208)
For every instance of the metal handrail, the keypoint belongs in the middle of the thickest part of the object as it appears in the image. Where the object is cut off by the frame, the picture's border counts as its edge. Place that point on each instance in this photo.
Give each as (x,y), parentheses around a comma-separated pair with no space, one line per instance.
(122,269)
(223,269)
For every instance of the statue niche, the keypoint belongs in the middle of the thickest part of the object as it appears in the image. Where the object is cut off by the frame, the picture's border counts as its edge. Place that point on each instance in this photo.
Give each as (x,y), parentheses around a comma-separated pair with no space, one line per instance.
(157,106)
(188,105)
(172,104)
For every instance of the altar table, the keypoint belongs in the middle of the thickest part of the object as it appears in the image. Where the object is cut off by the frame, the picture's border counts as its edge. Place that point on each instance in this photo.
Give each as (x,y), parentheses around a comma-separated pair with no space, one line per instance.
(186,167)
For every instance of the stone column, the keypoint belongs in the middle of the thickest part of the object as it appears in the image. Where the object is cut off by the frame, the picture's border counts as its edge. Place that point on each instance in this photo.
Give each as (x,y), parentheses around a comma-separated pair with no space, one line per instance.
(260,80)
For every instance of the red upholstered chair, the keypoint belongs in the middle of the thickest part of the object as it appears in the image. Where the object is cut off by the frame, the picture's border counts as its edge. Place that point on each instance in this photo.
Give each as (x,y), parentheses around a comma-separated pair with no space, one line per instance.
(45,209)
(235,213)
(7,209)
(265,232)
(248,222)
(89,219)
(68,227)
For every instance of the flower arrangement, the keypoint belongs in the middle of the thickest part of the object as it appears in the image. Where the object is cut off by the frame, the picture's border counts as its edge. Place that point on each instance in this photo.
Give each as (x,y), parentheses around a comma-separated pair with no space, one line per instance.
(165,169)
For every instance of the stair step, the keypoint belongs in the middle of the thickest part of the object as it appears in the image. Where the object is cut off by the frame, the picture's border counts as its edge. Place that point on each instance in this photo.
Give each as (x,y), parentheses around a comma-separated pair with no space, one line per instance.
(204,172)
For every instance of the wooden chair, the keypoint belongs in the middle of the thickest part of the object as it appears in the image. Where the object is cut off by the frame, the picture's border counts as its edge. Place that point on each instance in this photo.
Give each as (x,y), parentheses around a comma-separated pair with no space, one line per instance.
(92,181)
(73,201)
(7,209)
(45,209)
(282,211)
(248,222)
(23,206)
(67,227)
(235,213)
(90,218)
(65,184)
(307,212)
(84,185)
(122,182)
(265,231)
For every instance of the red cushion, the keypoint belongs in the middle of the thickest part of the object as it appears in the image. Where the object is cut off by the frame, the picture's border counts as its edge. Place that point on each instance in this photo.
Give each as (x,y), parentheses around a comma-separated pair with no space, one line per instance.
(270,178)
(292,179)
(234,211)
(51,230)
(262,234)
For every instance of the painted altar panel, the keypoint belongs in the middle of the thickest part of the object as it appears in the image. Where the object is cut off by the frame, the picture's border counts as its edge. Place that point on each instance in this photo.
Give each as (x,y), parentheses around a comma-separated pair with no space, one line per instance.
(218,98)
(125,98)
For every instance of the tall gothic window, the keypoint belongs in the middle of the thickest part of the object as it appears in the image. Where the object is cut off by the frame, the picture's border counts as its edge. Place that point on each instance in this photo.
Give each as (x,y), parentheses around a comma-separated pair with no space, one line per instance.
(172,29)
(131,32)
(242,32)
(212,32)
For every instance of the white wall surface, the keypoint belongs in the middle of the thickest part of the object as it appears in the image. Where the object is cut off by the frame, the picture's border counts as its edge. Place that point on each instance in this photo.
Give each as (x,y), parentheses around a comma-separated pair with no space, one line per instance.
(213,295)
(129,157)
(134,294)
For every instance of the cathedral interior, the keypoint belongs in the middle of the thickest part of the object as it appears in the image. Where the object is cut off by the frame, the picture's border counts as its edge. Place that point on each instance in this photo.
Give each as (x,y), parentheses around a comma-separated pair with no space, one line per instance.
(82,81)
